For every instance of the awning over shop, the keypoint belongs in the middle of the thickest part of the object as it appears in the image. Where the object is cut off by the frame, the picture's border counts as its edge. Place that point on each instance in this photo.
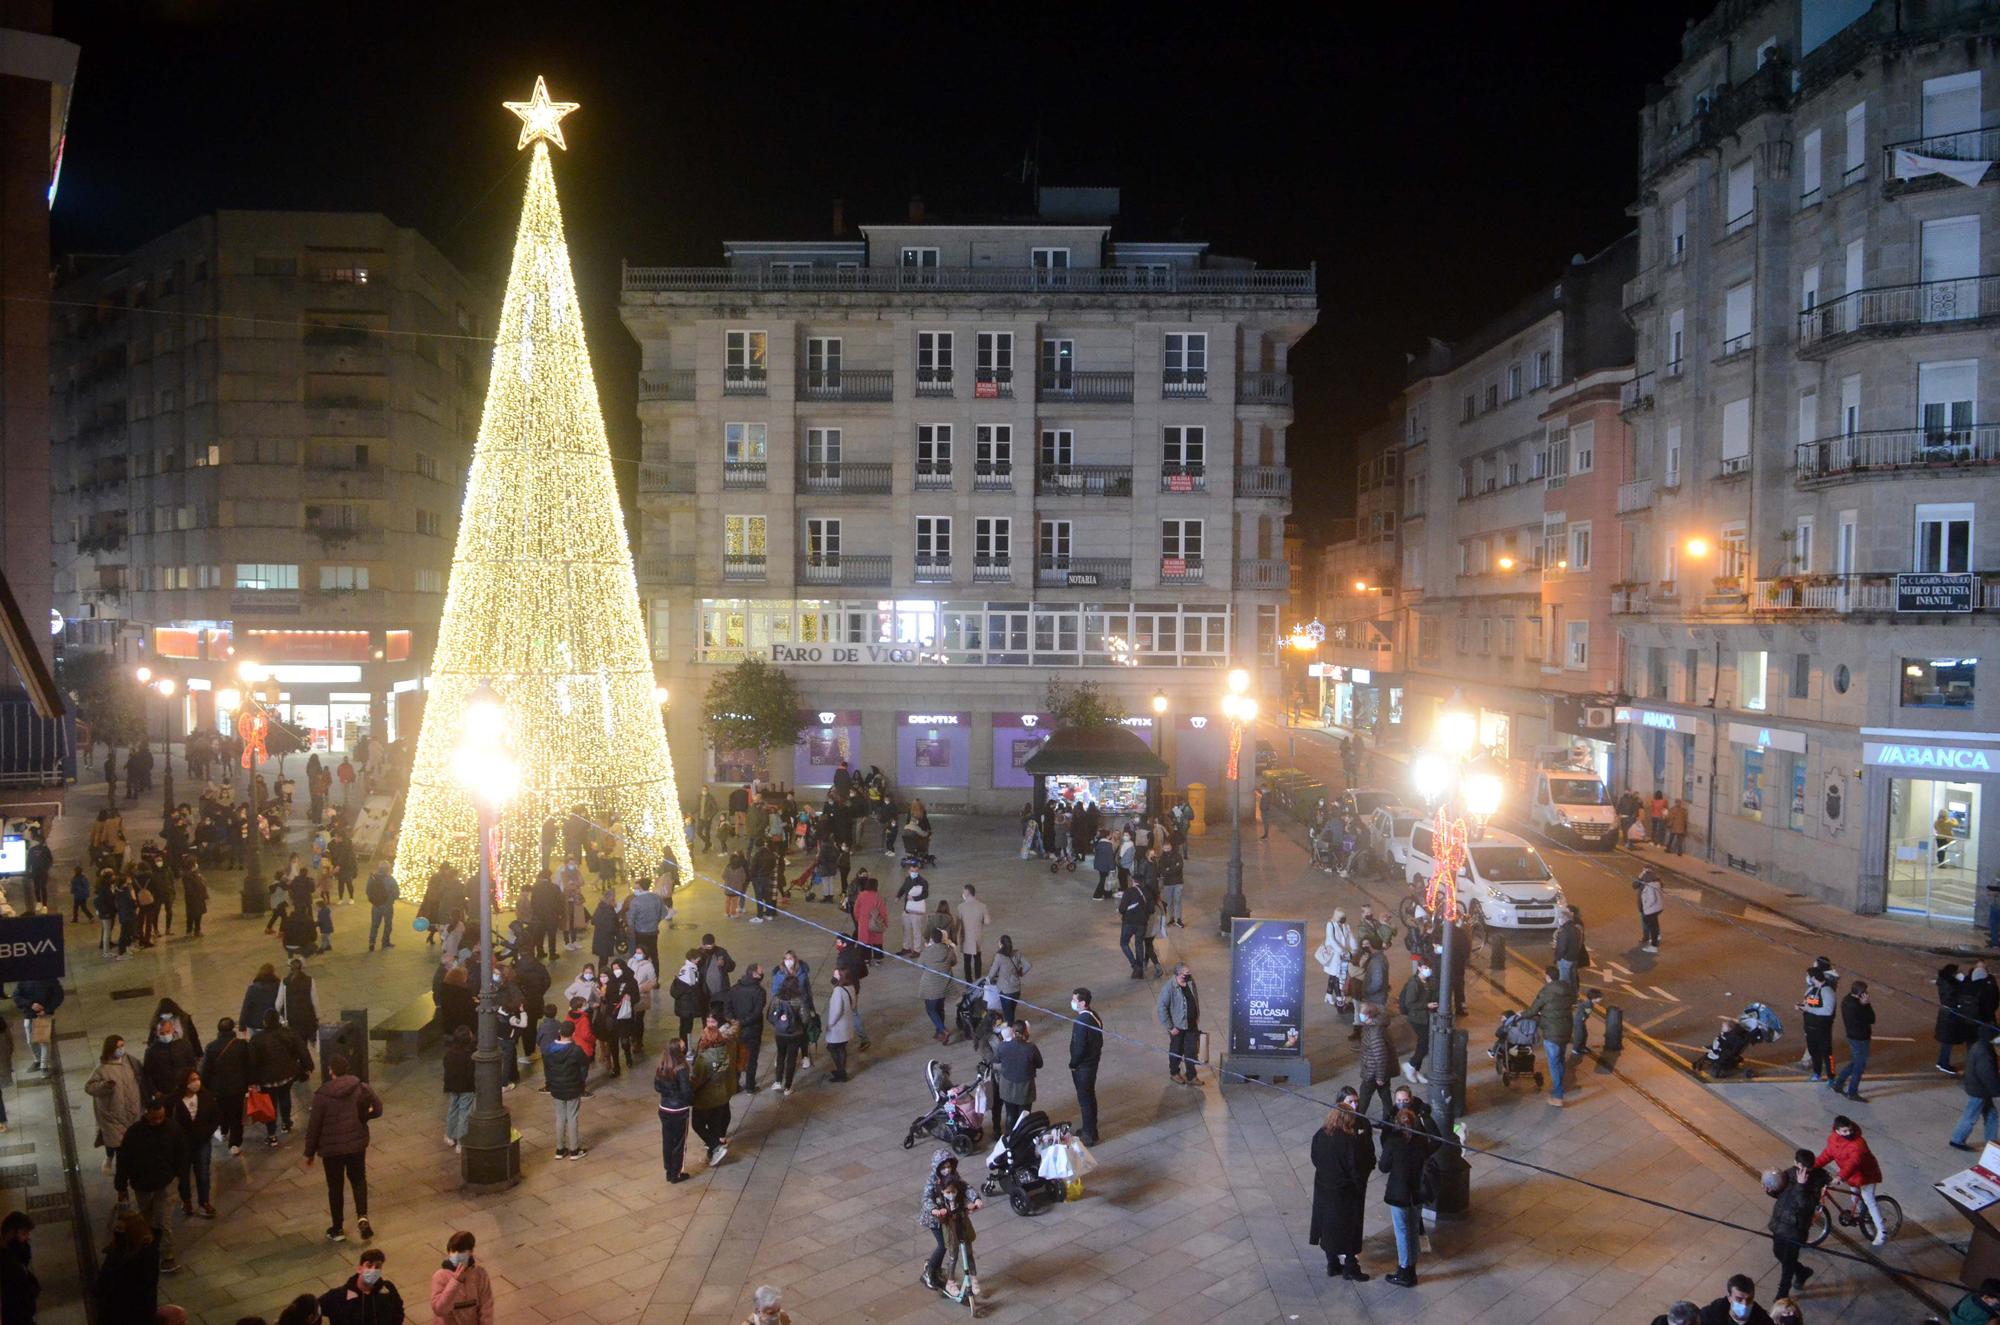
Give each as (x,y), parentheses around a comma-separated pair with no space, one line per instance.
(1106,752)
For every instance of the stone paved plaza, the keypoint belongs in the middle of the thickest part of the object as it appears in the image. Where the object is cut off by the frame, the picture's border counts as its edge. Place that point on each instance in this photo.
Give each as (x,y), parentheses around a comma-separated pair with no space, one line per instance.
(1198,1213)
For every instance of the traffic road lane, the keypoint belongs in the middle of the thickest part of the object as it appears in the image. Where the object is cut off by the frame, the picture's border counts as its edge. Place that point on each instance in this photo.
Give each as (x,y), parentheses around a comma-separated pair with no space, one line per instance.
(1717,952)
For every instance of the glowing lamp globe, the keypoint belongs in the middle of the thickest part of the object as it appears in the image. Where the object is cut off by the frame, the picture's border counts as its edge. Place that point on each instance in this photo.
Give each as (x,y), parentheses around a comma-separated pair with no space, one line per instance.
(1457,731)
(1430,775)
(1482,794)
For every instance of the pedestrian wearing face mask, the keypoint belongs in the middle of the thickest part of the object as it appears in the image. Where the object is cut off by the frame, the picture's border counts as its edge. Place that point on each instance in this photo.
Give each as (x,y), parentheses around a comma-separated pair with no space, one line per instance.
(169,1058)
(116,1097)
(1737,1305)
(461,1292)
(366,1298)
(1378,1056)
(1416,1002)
(1086,1047)
(1847,1150)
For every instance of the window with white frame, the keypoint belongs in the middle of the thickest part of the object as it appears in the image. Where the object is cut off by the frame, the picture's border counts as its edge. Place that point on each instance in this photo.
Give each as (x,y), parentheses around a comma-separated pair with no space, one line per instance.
(1059,365)
(933,540)
(1545,368)
(1734,549)
(992,540)
(1944,537)
(1579,545)
(1186,361)
(343,577)
(933,359)
(917,257)
(1809,181)
(429,581)
(1809,289)
(1855,265)
(1740,198)
(745,358)
(1850,404)
(823,354)
(1676,346)
(743,538)
(993,450)
(1736,436)
(1049,259)
(1576,644)
(266,575)
(1181,540)
(822,542)
(1738,317)
(1058,448)
(1945,408)
(1854,158)
(745,443)
(1808,417)
(933,450)
(1951,104)
(823,452)
(1583,447)
(1514,381)
(1677,229)
(1052,543)
(993,354)
(1184,449)
(1506,637)
(1485,634)
(1753,667)
(1555,540)
(1802,545)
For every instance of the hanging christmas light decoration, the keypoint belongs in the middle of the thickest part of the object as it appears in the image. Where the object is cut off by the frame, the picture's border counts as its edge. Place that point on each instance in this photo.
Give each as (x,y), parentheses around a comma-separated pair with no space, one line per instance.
(542,602)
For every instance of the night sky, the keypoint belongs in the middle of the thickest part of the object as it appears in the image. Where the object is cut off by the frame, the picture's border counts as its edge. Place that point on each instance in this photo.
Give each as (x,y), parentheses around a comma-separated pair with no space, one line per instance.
(1437,162)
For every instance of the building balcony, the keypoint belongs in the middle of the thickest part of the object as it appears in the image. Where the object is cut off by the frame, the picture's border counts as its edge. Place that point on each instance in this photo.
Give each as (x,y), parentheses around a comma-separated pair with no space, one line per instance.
(1183,478)
(745,382)
(1264,389)
(1264,482)
(346,482)
(743,566)
(1631,599)
(1081,388)
(855,384)
(993,384)
(1964,304)
(667,384)
(1897,450)
(969,280)
(932,476)
(1183,570)
(668,477)
(1065,572)
(659,568)
(934,382)
(844,476)
(1733,465)
(1635,495)
(1901,167)
(1863,592)
(1264,573)
(110,540)
(835,568)
(993,476)
(745,474)
(1184,383)
(1636,394)
(348,537)
(931,568)
(1083,480)
(992,570)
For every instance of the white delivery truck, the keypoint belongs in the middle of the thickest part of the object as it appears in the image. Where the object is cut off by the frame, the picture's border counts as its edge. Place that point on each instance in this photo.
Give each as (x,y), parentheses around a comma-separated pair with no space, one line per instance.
(1570,801)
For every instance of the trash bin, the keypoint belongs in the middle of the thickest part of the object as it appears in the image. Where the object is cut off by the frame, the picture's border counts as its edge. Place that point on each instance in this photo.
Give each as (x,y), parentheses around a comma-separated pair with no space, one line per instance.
(1197,800)
(347,1037)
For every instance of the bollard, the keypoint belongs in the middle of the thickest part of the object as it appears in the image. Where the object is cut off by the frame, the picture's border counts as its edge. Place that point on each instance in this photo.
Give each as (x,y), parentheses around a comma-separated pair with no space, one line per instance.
(1496,952)
(1614,1029)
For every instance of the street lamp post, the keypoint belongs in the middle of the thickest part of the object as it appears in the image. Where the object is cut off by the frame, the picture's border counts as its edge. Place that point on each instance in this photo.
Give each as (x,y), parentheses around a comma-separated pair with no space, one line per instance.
(490,1155)
(164,687)
(1241,710)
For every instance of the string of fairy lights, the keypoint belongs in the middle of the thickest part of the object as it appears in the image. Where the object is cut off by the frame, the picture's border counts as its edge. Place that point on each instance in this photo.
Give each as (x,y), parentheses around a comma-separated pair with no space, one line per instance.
(542,603)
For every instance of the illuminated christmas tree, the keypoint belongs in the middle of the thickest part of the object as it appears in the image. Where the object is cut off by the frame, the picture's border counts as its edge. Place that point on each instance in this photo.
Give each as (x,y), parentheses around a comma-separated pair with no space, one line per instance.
(542,602)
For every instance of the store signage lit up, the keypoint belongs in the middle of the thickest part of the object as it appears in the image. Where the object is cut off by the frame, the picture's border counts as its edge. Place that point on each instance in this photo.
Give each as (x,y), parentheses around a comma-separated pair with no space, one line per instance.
(826,717)
(1362,676)
(1030,719)
(857,655)
(932,719)
(1670,722)
(1948,758)
(1135,722)
(1197,722)
(1766,738)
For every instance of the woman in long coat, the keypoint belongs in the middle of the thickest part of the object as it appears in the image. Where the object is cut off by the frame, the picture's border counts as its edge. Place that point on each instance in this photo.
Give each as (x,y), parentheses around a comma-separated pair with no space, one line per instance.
(1343,1155)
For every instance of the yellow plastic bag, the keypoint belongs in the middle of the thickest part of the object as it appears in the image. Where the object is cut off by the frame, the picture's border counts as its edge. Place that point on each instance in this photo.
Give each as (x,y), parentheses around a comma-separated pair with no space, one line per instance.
(1073,1189)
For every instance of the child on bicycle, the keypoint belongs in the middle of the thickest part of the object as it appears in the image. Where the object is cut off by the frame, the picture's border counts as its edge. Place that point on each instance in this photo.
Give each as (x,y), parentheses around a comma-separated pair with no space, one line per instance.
(1847,1150)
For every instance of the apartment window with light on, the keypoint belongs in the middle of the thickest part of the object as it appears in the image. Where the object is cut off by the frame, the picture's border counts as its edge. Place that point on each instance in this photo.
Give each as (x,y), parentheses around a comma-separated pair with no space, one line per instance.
(343,577)
(1751,667)
(1939,682)
(745,360)
(743,544)
(266,576)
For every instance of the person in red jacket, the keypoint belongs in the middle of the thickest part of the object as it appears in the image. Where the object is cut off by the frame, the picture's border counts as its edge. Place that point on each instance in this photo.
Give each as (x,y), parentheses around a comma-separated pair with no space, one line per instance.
(1847,1150)
(579,1024)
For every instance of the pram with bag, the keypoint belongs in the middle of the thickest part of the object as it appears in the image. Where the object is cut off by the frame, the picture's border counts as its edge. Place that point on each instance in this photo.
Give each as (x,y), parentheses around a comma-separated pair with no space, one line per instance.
(976,1020)
(917,845)
(1756,1024)
(1513,1051)
(955,1117)
(1014,1165)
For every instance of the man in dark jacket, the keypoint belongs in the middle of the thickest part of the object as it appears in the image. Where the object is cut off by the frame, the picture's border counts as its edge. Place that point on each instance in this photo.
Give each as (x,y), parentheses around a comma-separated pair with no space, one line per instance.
(150,1158)
(1552,1010)
(565,1068)
(35,1000)
(545,906)
(381,889)
(1741,1295)
(1982,1084)
(225,1070)
(534,979)
(277,1060)
(1857,1018)
(1086,1047)
(20,1290)
(366,1298)
(1416,1002)
(744,1005)
(337,1132)
(1796,1193)
(169,1059)
(715,965)
(1569,948)
(40,861)
(1135,913)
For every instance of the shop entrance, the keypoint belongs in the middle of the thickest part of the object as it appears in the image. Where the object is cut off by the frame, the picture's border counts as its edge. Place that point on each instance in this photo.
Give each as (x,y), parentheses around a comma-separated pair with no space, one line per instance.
(1933,848)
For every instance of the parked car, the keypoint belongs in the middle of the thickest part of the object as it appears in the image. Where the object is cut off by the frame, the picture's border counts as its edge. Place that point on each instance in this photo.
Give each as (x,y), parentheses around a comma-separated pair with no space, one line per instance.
(1386,838)
(1573,803)
(1362,802)
(1266,757)
(1509,879)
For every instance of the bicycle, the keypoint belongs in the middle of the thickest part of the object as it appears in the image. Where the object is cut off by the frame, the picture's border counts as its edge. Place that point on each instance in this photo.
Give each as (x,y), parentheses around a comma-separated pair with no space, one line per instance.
(1855,1214)
(1473,921)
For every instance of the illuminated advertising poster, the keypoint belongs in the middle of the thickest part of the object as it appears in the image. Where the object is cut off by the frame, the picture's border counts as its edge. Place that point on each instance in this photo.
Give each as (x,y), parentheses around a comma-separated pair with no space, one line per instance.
(1267,986)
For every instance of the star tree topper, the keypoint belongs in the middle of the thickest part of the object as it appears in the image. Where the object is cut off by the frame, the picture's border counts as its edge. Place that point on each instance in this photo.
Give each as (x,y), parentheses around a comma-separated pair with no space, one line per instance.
(540,117)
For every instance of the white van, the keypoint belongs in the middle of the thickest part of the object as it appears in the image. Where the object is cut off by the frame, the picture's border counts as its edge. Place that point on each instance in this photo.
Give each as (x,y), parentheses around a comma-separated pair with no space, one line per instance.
(1509,879)
(1573,803)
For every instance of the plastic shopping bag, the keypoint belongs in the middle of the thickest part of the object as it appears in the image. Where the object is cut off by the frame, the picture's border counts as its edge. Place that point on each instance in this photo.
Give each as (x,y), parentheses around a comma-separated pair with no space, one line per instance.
(1081,1161)
(1056,1163)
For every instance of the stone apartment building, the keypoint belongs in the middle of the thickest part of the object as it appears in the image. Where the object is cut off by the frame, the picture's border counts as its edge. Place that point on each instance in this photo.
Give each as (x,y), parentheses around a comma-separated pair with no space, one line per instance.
(1360,687)
(1509,531)
(1806,588)
(1035,448)
(261,425)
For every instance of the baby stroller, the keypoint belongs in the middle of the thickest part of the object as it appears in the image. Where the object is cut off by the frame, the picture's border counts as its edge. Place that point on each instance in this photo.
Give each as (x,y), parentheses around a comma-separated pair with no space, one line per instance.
(1014,1166)
(975,1020)
(917,846)
(954,1117)
(1513,1051)
(1756,1024)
